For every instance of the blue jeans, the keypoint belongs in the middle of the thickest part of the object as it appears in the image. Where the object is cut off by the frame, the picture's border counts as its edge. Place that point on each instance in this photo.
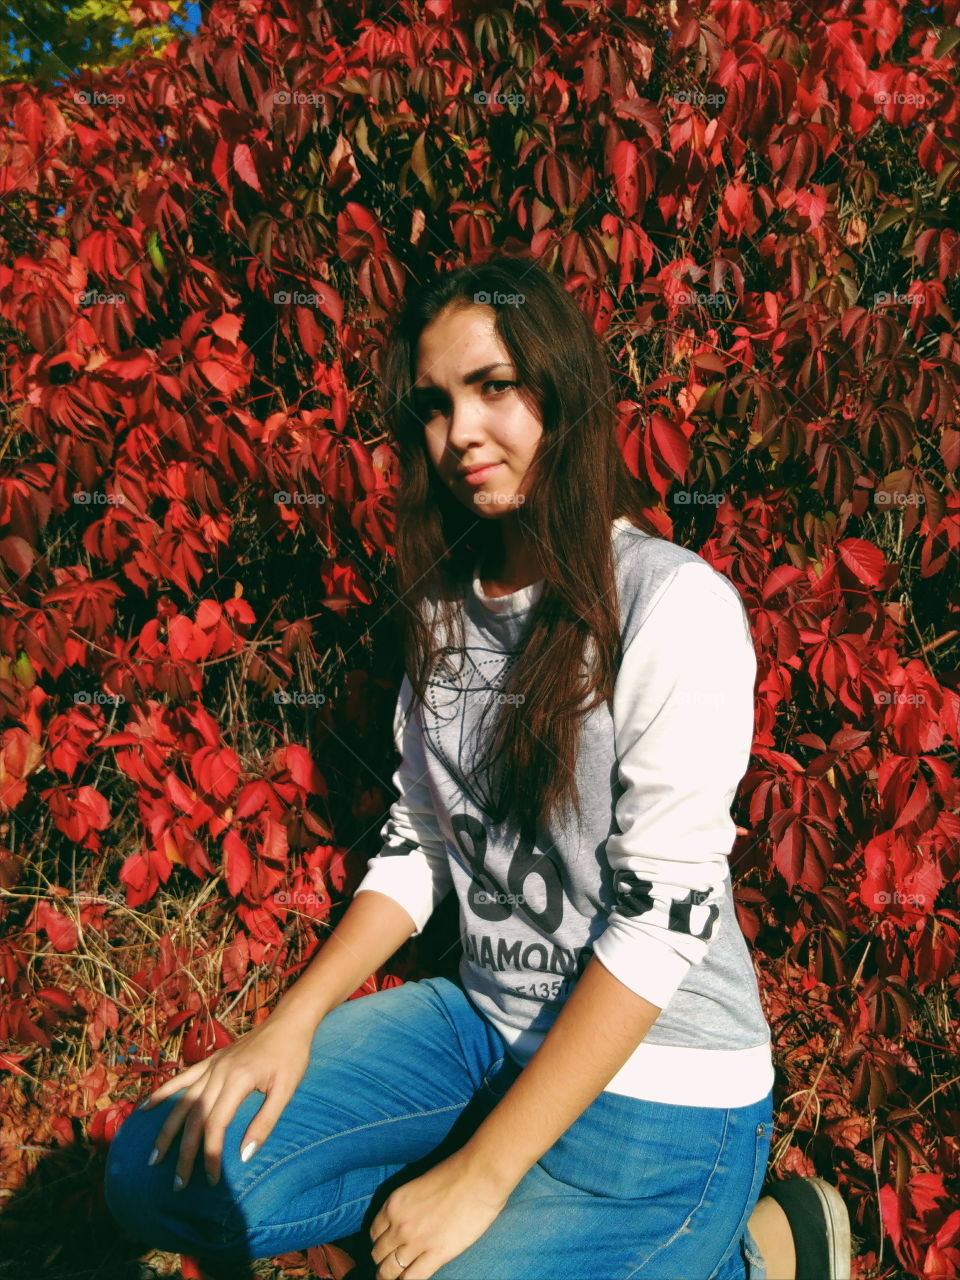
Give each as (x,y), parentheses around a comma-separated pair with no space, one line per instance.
(397,1081)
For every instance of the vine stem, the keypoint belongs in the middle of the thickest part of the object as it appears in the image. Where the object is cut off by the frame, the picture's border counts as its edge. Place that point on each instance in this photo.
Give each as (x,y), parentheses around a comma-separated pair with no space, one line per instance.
(811,1090)
(876,1183)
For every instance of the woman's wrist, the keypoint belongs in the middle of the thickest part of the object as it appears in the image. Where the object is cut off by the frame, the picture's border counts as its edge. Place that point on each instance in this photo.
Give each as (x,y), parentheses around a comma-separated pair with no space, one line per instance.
(301,1012)
(476,1162)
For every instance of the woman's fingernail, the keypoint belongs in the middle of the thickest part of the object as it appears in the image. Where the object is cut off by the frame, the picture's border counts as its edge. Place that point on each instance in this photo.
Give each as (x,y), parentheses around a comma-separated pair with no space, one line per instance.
(211,1180)
(144,1103)
(178,1183)
(248,1151)
(154,1156)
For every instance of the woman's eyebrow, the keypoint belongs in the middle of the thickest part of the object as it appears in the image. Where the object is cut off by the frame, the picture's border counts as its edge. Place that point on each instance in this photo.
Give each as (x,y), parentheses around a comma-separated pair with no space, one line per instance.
(470,378)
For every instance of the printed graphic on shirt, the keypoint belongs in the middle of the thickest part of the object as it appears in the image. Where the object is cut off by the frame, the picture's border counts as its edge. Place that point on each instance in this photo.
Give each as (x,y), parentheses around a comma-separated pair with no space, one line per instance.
(519,922)
(496,953)
(395,846)
(488,898)
(491,900)
(471,697)
(635,898)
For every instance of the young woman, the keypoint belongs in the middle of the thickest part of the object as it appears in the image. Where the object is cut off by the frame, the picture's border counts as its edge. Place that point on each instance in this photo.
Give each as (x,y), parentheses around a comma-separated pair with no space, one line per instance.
(592,1098)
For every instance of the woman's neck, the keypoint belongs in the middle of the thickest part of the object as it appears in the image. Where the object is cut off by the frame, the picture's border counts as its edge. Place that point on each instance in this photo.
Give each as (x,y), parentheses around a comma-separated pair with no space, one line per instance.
(510,566)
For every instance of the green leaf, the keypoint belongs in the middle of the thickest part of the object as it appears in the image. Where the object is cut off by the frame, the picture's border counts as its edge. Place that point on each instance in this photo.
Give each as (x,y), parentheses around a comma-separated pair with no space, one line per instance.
(946,42)
(153,249)
(889,219)
(420,164)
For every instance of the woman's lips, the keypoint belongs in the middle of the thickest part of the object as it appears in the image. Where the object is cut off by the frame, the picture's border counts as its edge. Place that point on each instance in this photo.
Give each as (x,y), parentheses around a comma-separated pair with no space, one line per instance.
(478,477)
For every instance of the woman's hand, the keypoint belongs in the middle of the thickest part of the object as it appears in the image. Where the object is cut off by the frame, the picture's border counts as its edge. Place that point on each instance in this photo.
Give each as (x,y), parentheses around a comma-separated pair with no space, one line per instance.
(273,1058)
(432,1219)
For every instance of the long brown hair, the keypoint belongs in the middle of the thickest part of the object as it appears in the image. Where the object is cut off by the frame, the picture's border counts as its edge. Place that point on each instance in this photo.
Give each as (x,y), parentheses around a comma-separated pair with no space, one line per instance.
(577,485)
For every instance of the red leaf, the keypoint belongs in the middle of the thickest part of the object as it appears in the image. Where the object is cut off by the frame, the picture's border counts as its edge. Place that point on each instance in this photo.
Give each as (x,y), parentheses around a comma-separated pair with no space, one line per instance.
(303,769)
(11,1061)
(275,843)
(785,575)
(105,1017)
(670,447)
(59,999)
(625,177)
(205,1036)
(237,862)
(61,931)
(244,166)
(865,561)
(216,771)
(254,797)
(104,1124)
(228,326)
(18,554)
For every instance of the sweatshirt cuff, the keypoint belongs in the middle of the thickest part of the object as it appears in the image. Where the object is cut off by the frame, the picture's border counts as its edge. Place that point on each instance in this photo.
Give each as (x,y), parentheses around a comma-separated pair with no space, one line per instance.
(408,880)
(647,966)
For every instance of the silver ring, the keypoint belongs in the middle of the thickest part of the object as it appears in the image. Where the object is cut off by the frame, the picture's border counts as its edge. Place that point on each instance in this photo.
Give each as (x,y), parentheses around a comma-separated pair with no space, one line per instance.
(402,1265)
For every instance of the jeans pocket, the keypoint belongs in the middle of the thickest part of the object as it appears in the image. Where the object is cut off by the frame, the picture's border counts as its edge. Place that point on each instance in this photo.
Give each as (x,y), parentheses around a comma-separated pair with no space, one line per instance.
(626,1148)
(499,1077)
(741,1240)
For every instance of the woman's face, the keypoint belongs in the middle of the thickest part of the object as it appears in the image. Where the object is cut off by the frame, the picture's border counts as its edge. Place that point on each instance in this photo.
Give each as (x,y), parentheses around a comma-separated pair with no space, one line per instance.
(467,396)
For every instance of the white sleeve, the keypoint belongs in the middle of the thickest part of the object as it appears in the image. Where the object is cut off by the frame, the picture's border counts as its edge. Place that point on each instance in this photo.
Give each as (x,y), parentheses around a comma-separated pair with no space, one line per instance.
(412,867)
(683,718)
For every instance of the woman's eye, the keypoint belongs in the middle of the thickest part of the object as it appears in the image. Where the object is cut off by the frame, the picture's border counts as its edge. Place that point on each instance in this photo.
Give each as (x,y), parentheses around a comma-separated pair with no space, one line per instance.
(427,410)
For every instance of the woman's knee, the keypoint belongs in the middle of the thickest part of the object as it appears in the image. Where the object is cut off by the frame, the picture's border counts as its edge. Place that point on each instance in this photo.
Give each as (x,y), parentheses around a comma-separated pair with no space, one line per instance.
(128,1180)
(141,1196)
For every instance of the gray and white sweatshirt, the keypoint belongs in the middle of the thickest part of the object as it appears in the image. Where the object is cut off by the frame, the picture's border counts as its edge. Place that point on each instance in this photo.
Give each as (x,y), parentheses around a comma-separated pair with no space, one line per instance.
(643,882)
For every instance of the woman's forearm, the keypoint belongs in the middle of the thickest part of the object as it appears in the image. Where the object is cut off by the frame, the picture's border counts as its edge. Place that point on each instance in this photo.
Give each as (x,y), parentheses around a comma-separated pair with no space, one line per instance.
(371,930)
(596,1031)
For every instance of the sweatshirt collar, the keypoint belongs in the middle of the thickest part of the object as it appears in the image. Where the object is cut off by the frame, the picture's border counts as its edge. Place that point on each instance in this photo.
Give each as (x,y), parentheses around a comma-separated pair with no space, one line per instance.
(514,602)
(525,598)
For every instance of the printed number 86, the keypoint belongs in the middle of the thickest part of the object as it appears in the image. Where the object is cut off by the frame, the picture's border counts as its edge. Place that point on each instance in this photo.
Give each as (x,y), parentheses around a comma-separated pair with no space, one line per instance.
(526,861)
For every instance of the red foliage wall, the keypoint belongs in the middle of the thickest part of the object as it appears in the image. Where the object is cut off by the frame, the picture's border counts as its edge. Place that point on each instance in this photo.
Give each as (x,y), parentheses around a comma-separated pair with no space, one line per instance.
(758,206)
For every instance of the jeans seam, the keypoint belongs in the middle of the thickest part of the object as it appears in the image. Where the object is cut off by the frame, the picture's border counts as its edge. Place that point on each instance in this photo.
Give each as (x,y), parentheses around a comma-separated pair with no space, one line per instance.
(485,1082)
(464,1055)
(687,1220)
(302,1222)
(745,1216)
(342,1133)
